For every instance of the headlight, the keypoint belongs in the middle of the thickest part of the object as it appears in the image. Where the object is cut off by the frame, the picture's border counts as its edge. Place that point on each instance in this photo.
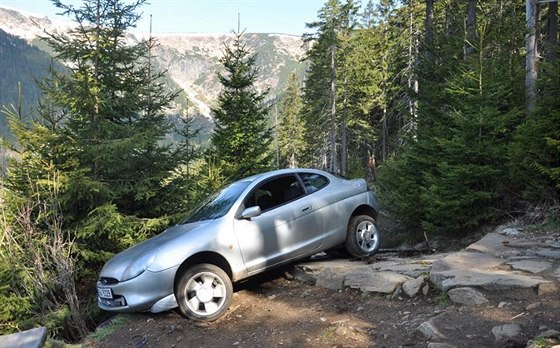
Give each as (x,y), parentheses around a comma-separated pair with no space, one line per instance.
(139,265)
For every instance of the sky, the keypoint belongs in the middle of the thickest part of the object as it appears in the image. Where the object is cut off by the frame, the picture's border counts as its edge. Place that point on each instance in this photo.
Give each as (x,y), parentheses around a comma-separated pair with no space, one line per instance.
(206,16)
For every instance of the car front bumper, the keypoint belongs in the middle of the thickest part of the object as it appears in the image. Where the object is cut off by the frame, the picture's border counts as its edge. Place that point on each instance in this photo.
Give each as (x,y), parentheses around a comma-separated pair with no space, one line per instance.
(138,294)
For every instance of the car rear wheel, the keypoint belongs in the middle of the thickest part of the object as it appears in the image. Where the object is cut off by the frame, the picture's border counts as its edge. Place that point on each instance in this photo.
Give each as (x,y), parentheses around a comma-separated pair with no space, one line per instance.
(204,292)
(363,236)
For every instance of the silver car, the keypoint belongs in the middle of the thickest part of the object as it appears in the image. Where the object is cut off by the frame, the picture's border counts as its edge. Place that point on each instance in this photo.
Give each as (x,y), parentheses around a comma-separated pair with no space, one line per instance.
(248,227)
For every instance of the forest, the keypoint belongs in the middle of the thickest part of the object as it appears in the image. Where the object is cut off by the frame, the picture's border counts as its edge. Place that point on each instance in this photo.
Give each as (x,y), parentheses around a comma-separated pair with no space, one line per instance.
(450,109)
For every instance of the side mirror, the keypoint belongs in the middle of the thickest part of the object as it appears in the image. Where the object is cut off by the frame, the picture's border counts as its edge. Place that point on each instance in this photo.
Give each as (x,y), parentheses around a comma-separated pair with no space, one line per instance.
(251,212)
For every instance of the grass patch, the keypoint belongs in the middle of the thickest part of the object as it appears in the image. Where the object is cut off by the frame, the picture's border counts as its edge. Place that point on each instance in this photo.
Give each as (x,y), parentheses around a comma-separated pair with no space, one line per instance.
(442,299)
(106,330)
(51,343)
(328,333)
(540,342)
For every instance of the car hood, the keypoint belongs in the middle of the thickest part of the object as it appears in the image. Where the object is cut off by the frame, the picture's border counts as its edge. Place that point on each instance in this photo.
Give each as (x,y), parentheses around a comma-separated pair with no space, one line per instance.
(116,266)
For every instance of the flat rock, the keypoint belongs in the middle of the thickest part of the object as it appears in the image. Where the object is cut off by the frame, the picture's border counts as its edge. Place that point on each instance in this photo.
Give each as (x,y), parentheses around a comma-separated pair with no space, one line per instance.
(530,266)
(336,265)
(510,231)
(467,260)
(496,245)
(381,282)
(467,296)
(411,268)
(547,253)
(478,270)
(33,338)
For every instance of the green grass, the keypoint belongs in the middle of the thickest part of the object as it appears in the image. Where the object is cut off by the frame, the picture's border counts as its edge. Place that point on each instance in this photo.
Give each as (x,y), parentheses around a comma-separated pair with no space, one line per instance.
(442,299)
(540,342)
(51,343)
(116,323)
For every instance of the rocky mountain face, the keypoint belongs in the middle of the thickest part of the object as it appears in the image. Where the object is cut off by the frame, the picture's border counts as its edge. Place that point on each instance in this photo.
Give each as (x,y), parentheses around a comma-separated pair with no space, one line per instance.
(191,60)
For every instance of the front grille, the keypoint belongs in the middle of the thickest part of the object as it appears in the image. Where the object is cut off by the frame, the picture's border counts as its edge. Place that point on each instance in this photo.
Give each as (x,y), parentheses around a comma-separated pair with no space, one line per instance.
(108,281)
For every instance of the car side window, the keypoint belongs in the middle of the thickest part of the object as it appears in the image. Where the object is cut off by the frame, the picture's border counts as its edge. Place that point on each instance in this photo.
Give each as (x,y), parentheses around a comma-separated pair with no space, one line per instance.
(276,192)
(313,182)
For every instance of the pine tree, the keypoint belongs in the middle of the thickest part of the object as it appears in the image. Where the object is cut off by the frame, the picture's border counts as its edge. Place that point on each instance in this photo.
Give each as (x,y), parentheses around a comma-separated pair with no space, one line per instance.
(291,129)
(325,116)
(241,137)
(453,176)
(99,127)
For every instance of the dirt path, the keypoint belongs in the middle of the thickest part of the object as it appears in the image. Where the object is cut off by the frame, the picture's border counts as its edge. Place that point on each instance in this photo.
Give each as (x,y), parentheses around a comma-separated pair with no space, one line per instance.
(277,311)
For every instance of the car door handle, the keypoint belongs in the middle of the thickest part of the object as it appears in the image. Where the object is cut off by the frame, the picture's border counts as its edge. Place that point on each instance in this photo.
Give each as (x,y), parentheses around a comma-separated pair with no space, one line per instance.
(306,208)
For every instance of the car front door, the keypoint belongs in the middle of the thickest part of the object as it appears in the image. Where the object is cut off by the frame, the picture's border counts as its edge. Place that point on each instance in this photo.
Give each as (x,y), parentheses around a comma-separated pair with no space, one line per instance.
(287,227)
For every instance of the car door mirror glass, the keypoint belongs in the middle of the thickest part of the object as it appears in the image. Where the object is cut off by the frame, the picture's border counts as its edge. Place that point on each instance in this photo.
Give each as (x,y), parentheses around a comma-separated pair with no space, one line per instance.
(251,212)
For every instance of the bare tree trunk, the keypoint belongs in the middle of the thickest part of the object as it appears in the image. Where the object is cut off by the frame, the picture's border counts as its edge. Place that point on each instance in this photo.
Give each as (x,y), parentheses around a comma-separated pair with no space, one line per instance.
(333,156)
(412,82)
(470,29)
(344,134)
(531,55)
(429,28)
(552,33)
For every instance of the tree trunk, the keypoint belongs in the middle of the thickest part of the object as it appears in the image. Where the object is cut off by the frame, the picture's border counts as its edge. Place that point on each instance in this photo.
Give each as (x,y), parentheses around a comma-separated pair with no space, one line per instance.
(333,157)
(429,25)
(531,55)
(470,29)
(344,139)
(552,33)
(412,81)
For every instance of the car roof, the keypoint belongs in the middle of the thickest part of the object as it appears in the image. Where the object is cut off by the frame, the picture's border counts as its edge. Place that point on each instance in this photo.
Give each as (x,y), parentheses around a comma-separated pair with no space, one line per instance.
(282,171)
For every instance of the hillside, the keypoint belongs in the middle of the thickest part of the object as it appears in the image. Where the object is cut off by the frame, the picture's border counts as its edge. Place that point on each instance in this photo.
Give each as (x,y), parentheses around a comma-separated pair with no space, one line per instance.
(191,60)
(20,65)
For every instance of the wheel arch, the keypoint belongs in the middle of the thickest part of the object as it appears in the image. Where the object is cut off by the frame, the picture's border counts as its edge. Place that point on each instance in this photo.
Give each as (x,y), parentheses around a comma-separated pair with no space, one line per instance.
(364,209)
(209,257)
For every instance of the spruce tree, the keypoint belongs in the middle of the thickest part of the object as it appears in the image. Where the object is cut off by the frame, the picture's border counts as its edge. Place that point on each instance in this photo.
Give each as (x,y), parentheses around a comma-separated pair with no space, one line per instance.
(291,129)
(324,106)
(241,137)
(100,127)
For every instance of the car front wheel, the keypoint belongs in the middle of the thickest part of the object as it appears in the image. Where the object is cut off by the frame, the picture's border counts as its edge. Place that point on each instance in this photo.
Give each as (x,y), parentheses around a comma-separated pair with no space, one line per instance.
(363,236)
(204,292)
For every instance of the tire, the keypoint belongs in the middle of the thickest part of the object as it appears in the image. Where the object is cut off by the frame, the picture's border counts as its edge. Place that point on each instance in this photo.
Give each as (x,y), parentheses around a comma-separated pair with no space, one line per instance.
(363,237)
(204,292)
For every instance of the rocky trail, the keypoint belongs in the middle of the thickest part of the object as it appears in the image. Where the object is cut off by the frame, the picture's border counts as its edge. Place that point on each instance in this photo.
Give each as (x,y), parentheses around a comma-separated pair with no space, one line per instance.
(502,291)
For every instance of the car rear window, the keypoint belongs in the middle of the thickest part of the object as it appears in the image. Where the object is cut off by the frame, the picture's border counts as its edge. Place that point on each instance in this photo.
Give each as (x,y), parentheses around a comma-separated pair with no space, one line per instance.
(313,182)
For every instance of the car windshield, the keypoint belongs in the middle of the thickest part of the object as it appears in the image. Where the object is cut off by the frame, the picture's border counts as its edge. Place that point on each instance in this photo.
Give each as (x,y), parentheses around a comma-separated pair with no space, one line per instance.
(217,204)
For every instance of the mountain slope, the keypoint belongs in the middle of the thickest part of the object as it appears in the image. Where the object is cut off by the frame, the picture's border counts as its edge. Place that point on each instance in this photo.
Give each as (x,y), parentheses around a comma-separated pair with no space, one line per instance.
(20,65)
(191,60)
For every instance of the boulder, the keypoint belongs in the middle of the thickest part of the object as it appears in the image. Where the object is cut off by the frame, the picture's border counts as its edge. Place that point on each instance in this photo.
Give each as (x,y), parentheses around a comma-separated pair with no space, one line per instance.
(381,282)
(467,296)
(412,286)
(34,338)
(548,289)
(330,279)
(507,334)
(430,331)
